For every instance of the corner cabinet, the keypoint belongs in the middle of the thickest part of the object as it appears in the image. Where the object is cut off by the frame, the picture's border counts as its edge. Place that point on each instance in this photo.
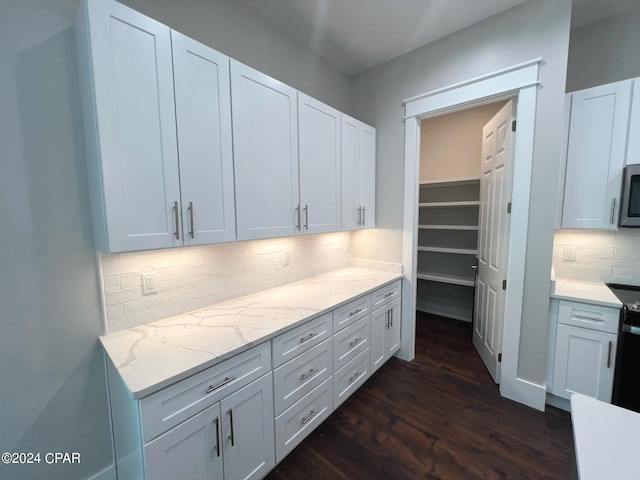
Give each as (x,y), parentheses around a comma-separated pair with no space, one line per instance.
(134,118)
(448,246)
(358,174)
(596,149)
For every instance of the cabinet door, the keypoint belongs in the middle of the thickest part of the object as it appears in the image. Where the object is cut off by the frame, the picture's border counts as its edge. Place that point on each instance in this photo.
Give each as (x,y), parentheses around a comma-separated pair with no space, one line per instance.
(584,362)
(595,156)
(191,451)
(379,326)
(319,151)
(350,179)
(367,174)
(265,145)
(633,148)
(203,116)
(392,342)
(248,431)
(131,124)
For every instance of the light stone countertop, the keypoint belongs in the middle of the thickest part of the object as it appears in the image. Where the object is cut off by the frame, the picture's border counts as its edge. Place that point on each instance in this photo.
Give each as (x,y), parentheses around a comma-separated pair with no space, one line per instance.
(152,356)
(604,437)
(594,293)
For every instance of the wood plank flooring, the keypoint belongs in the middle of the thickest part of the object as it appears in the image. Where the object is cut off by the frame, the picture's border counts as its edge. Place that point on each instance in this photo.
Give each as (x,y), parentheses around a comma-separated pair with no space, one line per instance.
(438,417)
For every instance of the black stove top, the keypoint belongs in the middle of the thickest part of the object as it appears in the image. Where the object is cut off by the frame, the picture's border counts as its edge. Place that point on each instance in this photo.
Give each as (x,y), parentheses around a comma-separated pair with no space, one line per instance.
(629,295)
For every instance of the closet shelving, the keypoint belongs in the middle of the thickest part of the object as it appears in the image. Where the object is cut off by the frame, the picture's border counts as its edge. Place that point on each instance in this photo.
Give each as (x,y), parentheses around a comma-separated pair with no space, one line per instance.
(447,246)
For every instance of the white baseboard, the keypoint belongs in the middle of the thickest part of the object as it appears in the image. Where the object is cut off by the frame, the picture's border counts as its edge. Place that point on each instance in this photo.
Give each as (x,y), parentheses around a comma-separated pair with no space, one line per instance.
(558,402)
(108,473)
(523,391)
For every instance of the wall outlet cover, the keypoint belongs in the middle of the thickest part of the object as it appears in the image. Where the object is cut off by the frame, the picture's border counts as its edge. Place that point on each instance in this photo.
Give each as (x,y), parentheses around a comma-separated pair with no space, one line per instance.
(570,253)
(149,283)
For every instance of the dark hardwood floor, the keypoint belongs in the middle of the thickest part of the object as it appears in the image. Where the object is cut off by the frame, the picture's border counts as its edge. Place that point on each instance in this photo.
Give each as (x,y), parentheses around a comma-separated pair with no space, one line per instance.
(437,417)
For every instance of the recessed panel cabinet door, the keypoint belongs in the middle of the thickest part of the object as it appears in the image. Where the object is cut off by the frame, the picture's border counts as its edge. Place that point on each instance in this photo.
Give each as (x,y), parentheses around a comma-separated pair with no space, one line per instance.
(367,176)
(265,144)
(350,178)
(319,157)
(203,115)
(131,128)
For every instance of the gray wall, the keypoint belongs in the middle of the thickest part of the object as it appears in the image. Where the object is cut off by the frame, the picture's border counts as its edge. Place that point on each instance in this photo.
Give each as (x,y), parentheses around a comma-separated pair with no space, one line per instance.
(54,397)
(604,52)
(530,30)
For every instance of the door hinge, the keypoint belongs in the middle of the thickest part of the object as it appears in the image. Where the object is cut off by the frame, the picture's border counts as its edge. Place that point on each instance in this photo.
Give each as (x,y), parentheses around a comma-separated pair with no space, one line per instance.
(499,358)
(513,125)
(509,207)
(504,284)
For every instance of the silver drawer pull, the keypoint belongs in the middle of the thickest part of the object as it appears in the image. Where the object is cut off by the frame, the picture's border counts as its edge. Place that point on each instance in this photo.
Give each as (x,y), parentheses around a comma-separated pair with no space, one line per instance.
(355,312)
(354,342)
(221,384)
(387,295)
(355,375)
(308,337)
(304,376)
(306,419)
(586,317)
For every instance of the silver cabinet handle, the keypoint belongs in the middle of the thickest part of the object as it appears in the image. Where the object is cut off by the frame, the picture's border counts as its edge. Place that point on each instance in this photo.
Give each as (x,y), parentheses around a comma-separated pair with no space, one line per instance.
(226,380)
(177,218)
(391,316)
(308,337)
(387,323)
(193,228)
(387,295)
(364,216)
(304,376)
(306,217)
(613,209)
(355,312)
(609,354)
(359,216)
(297,214)
(354,342)
(217,446)
(306,419)
(586,317)
(231,436)
(355,375)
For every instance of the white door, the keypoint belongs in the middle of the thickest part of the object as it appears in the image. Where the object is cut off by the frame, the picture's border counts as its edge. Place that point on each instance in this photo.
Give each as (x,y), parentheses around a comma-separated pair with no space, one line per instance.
(191,451)
(265,147)
(203,115)
(493,236)
(248,431)
(319,155)
(135,116)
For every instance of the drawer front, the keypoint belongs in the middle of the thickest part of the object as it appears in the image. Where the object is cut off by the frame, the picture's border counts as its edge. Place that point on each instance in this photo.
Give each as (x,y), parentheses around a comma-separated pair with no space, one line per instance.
(350,342)
(350,377)
(169,407)
(593,317)
(298,377)
(351,312)
(302,338)
(302,418)
(386,294)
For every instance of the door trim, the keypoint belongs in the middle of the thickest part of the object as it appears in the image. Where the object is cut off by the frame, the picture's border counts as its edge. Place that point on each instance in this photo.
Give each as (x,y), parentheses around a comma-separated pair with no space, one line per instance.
(521,82)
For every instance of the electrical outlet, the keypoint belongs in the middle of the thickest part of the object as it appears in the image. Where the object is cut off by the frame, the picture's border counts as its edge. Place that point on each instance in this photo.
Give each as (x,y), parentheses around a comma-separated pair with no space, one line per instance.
(286,258)
(570,253)
(149,283)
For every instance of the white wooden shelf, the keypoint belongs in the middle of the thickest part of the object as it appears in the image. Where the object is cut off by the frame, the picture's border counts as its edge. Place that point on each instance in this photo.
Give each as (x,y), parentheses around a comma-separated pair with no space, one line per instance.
(449,227)
(447,278)
(470,203)
(458,251)
(454,182)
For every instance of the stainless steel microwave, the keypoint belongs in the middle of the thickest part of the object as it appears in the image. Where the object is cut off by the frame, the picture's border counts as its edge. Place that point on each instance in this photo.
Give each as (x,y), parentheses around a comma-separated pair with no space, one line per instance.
(630,198)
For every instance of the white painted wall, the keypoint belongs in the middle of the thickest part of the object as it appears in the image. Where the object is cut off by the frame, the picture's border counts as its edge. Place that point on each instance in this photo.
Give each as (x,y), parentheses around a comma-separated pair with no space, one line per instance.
(51,368)
(530,30)
(604,52)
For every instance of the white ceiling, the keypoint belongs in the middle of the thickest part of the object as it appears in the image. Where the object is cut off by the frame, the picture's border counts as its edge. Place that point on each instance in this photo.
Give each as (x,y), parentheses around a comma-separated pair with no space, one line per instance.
(355,35)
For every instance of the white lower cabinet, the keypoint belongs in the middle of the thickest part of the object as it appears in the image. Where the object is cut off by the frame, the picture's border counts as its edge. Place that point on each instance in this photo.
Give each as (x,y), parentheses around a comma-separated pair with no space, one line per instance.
(350,377)
(232,439)
(385,333)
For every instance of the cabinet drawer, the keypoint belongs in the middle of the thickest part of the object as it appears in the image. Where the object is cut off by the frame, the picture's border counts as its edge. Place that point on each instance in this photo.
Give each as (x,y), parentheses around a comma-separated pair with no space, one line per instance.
(350,377)
(351,312)
(385,294)
(172,405)
(302,418)
(296,378)
(348,343)
(593,317)
(293,342)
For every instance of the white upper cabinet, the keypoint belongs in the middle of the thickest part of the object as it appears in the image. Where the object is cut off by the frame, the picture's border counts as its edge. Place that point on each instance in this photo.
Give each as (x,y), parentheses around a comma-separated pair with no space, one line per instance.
(596,149)
(126,68)
(358,145)
(203,114)
(265,143)
(152,188)
(319,150)
(633,147)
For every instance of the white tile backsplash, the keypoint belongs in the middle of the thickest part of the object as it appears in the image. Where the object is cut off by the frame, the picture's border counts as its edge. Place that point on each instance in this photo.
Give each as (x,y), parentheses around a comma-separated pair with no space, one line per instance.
(195,277)
(600,255)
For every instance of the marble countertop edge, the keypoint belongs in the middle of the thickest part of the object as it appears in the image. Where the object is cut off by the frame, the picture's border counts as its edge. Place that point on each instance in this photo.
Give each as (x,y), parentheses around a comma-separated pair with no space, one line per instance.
(594,293)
